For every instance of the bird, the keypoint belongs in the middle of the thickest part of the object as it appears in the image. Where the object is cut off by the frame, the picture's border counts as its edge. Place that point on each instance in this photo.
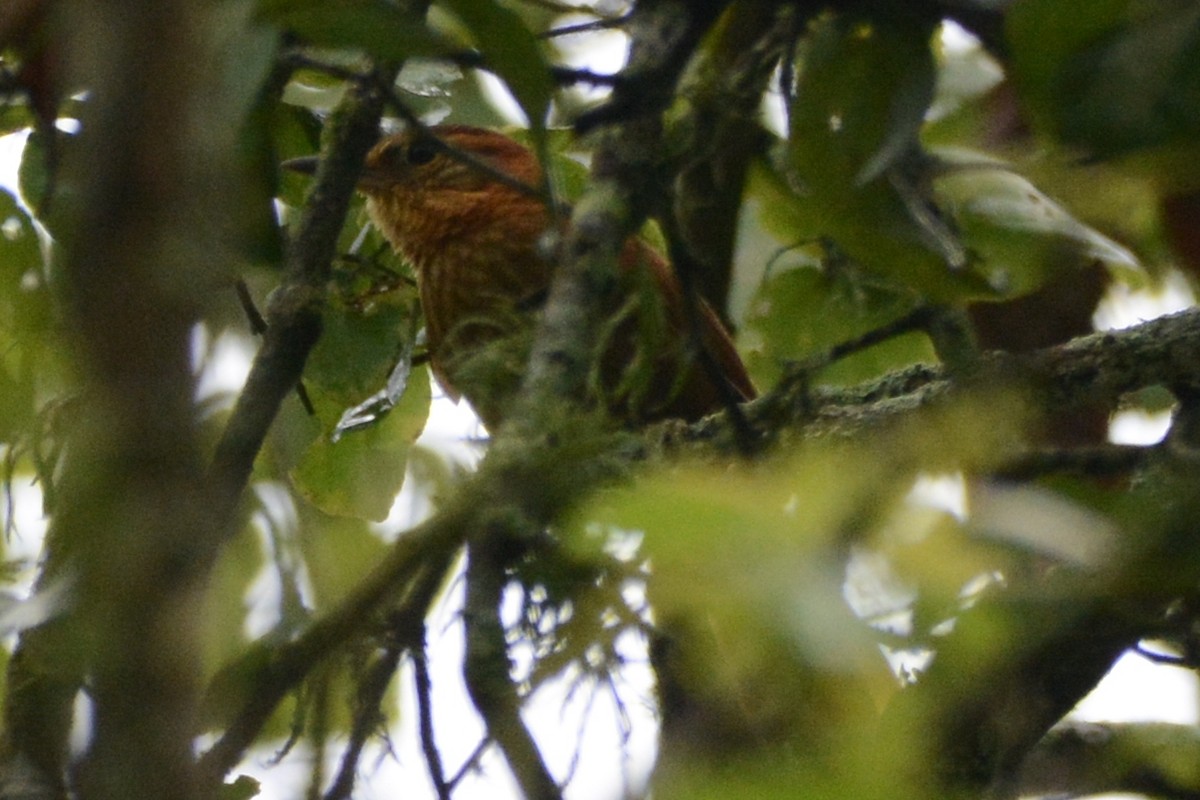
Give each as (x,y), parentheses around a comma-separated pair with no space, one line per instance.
(477,246)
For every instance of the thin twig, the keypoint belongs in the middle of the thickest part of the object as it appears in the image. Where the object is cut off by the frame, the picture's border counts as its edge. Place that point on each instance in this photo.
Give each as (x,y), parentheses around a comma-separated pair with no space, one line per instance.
(258,326)
(586,27)
(424,690)
(749,441)
(367,716)
(10,508)
(1163,658)
(1100,461)
(914,320)
(414,121)
(569,75)
(581,731)
(471,763)
(557,7)
(412,570)
(799,373)
(318,732)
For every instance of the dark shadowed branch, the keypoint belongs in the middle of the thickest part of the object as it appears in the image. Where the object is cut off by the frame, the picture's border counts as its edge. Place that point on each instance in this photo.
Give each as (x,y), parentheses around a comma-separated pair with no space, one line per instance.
(294,314)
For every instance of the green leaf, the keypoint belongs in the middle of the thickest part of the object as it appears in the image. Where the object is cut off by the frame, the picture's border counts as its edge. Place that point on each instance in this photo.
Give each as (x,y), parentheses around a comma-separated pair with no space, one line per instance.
(273,133)
(223,621)
(512,52)
(45,187)
(1022,238)
(861,98)
(380,28)
(851,172)
(243,54)
(337,554)
(965,74)
(243,788)
(20,250)
(1044,34)
(763,540)
(804,311)
(25,309)
(1136,89)
(15,115)
(256,228)
(295,132)
(873,226)
(360,474)
(1112,76)
(366,329)
(238,92)
(33,175)
(756,541)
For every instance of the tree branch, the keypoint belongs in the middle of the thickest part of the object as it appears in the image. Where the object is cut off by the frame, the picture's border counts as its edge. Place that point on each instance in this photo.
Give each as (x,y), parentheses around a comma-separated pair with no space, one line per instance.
(406,580)
(1099,368)
(717,140)
(488,670)
(294,313)
(622,191)
(373,685)
(424,691)
(663,34)
(1120,362)
(1065,635)
(1079,758)
(131,514)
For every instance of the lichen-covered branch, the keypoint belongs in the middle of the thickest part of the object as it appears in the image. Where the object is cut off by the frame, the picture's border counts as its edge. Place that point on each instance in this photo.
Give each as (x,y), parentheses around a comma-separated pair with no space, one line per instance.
(487,668)
(1099,368)
(621,193)
(1083,758)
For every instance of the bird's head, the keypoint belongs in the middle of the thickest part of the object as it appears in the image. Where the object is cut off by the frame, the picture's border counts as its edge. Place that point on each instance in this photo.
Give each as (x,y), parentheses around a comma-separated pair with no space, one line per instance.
(444,158)
(454,158)
(428,189)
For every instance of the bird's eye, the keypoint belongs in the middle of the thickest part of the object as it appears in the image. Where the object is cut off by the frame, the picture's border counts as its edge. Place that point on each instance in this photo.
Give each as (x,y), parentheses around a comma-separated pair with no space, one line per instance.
(420,153)
(392,155)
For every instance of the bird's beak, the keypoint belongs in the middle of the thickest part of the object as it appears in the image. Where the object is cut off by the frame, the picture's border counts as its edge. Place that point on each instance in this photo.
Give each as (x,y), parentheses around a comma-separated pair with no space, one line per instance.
(373,180)
(305,165)
(369,180)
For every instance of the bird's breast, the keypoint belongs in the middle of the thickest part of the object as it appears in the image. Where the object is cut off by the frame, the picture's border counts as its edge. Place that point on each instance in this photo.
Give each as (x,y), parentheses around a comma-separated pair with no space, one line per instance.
(476,259)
